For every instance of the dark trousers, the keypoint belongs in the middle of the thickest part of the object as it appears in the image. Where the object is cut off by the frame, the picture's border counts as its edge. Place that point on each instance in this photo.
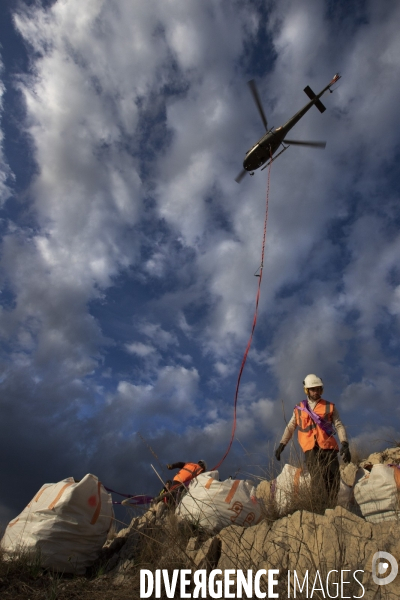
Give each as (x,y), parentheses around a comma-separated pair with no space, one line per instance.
(172,495)
(323,466)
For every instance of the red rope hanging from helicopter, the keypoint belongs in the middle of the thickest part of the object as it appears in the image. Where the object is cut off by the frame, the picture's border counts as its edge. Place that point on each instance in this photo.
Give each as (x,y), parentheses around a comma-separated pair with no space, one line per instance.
(253,326)
(255,158)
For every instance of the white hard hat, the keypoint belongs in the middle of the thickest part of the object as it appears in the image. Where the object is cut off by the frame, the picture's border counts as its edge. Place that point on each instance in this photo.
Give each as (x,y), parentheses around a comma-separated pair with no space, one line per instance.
(312,381)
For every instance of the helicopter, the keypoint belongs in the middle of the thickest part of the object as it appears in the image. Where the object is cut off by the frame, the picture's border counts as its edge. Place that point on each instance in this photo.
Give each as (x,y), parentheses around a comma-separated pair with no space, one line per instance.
(269,143)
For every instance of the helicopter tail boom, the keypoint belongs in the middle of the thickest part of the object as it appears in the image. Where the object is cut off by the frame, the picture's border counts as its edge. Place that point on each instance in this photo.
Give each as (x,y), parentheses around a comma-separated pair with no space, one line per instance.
(313,96)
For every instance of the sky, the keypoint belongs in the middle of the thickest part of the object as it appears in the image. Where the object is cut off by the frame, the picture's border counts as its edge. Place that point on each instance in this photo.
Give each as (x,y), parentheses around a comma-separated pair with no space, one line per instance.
(128,251)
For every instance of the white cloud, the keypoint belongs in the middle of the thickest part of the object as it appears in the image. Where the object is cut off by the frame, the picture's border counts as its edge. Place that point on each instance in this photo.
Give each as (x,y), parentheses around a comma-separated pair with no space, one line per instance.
(5,172)
(140,349)
(174,393)
(223,369)
(155,265)
(159,336)
(375,255)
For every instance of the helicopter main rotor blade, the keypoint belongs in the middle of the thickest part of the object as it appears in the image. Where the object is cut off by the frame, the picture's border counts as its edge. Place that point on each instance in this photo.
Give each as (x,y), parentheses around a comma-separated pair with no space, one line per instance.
(254,91)
(242,173)
(311,144)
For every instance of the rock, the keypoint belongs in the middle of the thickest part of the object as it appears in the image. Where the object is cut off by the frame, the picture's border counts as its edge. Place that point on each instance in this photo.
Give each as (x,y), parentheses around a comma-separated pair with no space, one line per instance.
(263,491)
(121,552)
(386,457)
(348,473)
(204,555)
(193,547)
(307,541)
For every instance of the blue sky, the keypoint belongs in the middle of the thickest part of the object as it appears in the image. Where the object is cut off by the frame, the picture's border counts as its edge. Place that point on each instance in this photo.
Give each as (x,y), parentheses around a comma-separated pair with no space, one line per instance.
(128,251)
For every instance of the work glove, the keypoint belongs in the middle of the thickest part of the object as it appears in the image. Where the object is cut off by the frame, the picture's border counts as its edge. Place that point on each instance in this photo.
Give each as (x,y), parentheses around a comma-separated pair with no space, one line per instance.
(279,451)
(169,467)
(345,452)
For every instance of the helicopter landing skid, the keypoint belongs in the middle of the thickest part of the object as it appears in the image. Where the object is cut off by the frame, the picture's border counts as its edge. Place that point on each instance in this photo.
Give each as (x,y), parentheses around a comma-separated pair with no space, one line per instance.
(275,157)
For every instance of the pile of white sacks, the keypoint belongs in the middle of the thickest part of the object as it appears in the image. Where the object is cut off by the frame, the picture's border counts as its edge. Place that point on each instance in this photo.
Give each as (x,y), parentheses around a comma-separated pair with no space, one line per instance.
(371,489)
(294,483)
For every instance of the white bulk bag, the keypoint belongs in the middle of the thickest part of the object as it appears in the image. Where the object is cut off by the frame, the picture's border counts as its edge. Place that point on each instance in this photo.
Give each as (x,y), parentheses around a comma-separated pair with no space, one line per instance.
(293,480)
(214,504)
(287,485)
(345,495)
(377,493)
(346,492)
(66,522)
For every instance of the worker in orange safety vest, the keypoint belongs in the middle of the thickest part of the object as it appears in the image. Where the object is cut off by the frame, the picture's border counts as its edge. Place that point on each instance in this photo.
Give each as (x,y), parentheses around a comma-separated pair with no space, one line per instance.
(172,491)
(317,421)
(187,471)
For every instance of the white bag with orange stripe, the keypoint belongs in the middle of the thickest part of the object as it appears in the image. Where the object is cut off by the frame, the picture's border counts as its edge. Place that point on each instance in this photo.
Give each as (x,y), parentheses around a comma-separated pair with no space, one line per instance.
(66,523)
(378,493)
(285,488)
(214,504)
(294,482)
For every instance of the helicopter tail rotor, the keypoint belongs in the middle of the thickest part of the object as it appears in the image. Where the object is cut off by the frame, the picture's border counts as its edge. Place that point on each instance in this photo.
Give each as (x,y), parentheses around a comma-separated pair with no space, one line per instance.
(317,102)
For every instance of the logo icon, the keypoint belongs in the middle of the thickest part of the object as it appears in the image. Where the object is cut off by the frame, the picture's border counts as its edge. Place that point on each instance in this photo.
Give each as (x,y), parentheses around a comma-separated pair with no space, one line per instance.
(380,568)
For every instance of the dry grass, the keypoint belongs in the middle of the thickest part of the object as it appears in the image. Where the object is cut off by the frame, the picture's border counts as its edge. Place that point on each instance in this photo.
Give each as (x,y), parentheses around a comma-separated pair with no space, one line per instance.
(23,578)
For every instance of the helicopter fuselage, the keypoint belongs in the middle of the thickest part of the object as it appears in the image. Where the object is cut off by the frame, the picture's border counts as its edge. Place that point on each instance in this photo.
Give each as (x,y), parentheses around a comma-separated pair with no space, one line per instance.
(264,149)
(269,143)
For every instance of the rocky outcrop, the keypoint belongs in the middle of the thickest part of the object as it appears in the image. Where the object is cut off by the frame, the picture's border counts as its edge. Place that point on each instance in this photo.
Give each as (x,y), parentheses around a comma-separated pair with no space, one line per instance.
(306,541)
(120,553)
(348,473)
(263,491)
(302,542)
(156,540)
(386,457)
(204,555)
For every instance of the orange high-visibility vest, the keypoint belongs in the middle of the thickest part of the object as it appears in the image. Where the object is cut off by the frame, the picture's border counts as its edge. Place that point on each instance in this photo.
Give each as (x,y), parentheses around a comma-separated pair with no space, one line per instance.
(189,472)
(309,433)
